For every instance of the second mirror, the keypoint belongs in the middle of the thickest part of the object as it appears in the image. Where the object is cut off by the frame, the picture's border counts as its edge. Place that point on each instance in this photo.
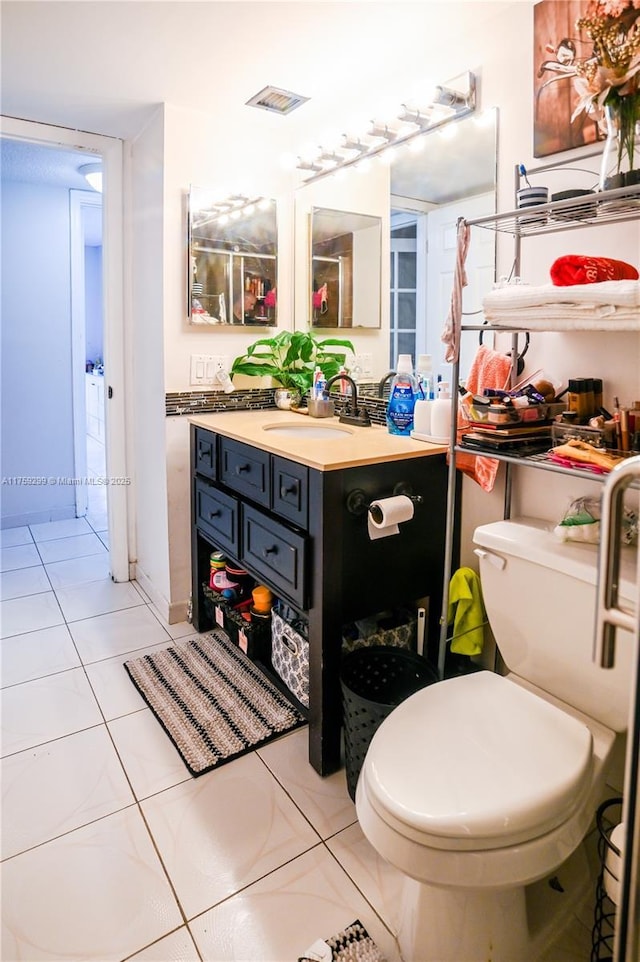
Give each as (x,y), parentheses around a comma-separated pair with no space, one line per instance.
(345,262)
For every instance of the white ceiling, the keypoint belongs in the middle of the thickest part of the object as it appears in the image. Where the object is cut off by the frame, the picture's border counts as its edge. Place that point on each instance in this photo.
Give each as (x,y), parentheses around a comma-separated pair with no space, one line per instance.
(104,66)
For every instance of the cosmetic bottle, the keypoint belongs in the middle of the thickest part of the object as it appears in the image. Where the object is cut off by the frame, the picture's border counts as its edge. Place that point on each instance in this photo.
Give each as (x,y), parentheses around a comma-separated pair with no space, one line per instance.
(402,398)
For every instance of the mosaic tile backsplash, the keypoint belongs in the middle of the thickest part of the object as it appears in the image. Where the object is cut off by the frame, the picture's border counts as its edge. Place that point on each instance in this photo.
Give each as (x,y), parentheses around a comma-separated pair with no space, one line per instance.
(187,403)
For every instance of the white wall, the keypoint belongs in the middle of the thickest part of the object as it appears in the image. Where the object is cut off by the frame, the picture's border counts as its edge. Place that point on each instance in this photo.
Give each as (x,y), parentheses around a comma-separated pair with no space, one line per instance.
(37,422)
(146,415)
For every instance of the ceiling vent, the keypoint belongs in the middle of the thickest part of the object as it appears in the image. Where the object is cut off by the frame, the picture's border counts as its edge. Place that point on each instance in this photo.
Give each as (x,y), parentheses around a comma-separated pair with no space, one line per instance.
(276,100)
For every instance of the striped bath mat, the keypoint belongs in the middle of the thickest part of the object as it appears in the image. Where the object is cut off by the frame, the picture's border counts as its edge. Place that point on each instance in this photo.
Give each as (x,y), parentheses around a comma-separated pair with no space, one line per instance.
(211,700)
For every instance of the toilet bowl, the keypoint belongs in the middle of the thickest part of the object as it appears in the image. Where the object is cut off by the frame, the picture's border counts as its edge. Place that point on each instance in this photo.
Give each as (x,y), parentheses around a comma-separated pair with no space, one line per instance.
(482,784)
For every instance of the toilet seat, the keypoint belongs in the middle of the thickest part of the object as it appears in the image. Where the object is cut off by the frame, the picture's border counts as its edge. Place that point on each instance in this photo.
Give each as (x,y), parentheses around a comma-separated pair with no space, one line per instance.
(477,762)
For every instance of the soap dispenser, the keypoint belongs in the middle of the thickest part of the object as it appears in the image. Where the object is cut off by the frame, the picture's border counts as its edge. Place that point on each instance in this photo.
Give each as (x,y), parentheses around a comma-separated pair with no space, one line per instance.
(402,398)
(441,414)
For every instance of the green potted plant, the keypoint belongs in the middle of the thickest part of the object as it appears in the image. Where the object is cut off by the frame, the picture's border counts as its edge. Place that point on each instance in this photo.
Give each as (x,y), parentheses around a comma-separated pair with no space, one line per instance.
(291,357)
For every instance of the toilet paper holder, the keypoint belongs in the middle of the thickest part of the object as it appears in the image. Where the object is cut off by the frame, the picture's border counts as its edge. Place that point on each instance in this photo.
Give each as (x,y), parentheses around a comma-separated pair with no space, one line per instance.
(358,503)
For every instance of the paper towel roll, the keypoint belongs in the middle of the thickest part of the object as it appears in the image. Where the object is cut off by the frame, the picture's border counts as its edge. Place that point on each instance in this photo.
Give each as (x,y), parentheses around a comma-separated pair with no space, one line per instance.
(385,515)
(613,864)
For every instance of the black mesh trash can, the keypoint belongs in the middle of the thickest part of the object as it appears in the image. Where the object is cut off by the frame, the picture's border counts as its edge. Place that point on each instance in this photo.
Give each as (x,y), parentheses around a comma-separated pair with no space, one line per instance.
(374,681)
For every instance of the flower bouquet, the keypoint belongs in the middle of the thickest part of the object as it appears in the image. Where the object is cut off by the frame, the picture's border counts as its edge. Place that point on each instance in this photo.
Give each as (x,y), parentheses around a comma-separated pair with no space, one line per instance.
(608,82)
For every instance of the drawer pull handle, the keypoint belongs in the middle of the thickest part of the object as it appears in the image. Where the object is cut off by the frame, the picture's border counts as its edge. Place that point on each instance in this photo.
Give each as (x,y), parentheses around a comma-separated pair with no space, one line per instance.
(272,550)
(214,514)
(241,468)
(290,489)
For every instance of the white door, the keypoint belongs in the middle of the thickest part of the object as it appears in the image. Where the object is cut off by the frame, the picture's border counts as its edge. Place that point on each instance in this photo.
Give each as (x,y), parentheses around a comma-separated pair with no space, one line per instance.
(110,150)
(441,260)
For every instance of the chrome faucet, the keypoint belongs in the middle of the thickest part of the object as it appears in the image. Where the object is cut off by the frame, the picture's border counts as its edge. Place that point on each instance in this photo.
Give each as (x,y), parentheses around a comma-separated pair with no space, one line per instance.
(354,415)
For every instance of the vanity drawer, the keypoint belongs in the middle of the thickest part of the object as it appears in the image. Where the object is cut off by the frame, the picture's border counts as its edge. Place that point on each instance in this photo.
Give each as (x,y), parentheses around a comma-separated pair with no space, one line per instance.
(275,553)
(205,453)
(217,517)
(245,469)
(289,490)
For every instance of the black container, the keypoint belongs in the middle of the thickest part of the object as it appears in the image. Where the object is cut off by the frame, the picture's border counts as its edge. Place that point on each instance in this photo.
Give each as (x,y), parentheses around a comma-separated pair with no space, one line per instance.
(374,681)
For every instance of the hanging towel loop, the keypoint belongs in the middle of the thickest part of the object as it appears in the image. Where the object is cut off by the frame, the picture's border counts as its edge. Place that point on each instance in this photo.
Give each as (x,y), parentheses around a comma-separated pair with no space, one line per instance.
(520,360)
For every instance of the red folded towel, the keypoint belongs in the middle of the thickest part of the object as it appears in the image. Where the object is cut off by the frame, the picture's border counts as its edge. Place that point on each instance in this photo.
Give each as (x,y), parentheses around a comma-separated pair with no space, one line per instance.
(580,269)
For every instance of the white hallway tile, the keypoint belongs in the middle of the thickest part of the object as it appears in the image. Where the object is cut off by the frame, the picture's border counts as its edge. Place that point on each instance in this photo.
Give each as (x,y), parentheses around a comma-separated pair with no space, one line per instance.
(325,801)
(222,831)
(50,530)
(119,632)
(58,787)
(36,654)
(19,556)
(149,757)
(177,947)
(111,900)
(280,916)
(78,571)
(19,615)
(97,598)
(38,711)
(62,549)
(112,686)
(23,581)
(13,536)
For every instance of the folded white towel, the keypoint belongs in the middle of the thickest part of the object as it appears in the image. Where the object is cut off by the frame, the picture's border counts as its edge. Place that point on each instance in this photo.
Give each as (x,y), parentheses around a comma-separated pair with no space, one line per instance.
(553,319)
(583,296)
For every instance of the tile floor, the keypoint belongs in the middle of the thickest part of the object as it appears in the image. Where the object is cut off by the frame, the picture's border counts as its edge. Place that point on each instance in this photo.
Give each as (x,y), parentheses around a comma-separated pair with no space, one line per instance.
(110,850)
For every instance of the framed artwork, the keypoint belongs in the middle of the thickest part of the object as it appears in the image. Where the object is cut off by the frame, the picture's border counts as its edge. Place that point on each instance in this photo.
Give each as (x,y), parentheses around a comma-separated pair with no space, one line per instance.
(557,44)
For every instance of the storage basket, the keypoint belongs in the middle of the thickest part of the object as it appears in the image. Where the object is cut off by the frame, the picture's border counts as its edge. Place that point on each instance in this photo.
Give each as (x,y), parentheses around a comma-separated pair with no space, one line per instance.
(399,636)
(290,657)
(254,637)
(608,885)
(374,681)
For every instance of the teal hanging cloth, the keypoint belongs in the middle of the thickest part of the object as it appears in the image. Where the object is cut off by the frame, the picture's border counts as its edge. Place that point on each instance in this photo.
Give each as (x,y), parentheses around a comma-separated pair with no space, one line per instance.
(466,611)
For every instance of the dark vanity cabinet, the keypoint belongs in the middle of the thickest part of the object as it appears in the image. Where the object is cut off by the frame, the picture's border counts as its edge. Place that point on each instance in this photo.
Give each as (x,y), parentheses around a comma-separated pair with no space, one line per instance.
(302,532)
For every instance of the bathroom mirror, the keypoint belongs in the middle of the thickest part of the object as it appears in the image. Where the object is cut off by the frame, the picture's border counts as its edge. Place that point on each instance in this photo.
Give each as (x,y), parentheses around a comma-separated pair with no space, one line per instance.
(447,174)
(345,258)
(232,260)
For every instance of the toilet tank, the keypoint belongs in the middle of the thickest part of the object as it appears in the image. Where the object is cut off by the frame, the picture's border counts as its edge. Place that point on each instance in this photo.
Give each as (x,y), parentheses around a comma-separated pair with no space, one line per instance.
(540,598)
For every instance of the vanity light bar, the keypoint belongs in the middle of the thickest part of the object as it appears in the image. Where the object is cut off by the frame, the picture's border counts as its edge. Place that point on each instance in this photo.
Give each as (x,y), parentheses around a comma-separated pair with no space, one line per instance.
(449,103)
(235,206)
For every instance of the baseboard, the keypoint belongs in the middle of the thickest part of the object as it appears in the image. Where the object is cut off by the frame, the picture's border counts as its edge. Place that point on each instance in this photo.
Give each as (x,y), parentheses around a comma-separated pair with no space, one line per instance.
(37,517)
(171,612)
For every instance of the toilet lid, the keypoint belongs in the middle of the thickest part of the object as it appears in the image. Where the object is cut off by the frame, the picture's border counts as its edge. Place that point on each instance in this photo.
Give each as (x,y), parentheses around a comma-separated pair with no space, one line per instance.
(478,757)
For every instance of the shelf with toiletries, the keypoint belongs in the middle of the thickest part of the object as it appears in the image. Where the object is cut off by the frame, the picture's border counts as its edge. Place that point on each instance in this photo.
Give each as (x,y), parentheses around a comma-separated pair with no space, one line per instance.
(597,209)
(587,210)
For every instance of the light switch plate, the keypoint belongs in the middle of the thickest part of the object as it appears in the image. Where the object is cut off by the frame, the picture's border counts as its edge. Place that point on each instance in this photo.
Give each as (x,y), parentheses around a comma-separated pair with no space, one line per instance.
(202,370)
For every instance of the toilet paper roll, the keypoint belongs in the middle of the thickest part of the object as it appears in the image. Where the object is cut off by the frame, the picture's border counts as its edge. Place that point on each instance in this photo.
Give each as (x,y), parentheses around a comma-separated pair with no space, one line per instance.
(613,864)
(385,515)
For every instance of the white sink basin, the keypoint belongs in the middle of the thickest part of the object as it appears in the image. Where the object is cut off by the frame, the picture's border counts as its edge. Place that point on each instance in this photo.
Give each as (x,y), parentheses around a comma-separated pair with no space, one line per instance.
(324,432)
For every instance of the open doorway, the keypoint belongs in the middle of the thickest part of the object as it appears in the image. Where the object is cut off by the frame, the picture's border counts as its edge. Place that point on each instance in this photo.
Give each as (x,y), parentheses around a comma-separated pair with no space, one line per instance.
(44,353)
(87,327)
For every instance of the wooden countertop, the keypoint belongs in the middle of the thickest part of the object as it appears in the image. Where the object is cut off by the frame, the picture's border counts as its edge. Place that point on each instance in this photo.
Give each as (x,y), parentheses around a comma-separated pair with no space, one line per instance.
(350,447)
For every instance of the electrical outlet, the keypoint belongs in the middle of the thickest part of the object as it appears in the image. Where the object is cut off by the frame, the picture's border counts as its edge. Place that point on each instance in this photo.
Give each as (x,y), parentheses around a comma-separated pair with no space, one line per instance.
(364,365)
(221,362)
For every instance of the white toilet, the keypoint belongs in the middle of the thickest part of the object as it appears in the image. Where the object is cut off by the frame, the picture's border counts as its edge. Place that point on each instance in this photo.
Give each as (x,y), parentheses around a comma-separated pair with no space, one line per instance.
(479,785)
